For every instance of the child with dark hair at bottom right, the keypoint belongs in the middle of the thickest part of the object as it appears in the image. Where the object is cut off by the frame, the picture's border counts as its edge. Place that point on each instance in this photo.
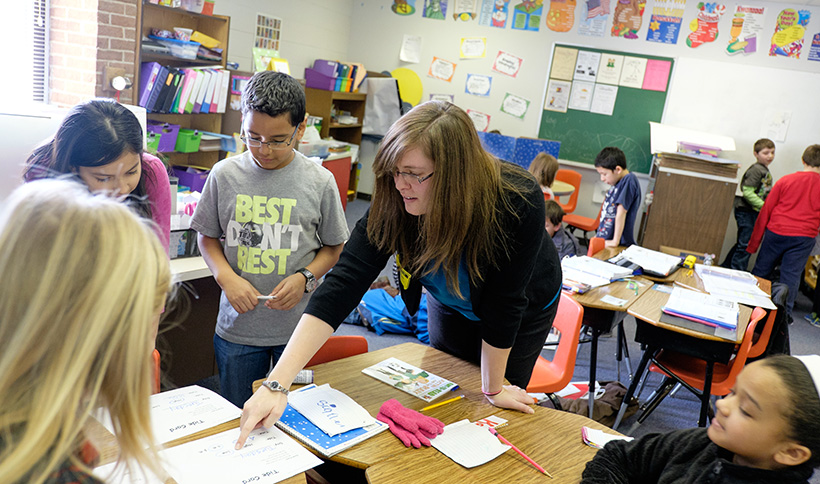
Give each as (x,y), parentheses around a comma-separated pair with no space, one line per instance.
(766,430)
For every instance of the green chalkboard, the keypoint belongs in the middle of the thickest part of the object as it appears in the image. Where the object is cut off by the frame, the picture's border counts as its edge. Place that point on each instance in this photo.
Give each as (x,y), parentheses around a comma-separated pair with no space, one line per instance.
(583,134)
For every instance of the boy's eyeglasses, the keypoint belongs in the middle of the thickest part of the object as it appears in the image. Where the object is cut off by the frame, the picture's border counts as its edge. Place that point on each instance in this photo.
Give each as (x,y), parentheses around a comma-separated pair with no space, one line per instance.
(272,145)
(408,177)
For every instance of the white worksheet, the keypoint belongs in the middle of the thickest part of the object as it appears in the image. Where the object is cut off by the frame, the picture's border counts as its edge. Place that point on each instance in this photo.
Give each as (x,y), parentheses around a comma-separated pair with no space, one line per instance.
(469,445)
(187,410)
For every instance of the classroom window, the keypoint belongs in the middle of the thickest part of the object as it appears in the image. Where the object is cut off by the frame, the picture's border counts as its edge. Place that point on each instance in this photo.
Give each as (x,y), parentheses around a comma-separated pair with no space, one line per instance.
(28,33)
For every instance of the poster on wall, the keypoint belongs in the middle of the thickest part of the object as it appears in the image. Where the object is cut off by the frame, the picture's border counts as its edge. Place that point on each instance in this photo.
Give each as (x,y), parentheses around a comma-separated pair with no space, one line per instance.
(626,22)
(494,13)
(507,64)
(268,30)
(656,75)
(814,51)
(410,49)
(527,15)
(403,7)
(747,24)
(633,71)
(561,15)
(472,47)
(603,99)
(435,9)
(442,69)
(478,85)
(586,66)
(787,40)
(664,25)
(609,69)
(705,26)
(557,96)
(563,63)
(595,19)
(481,121)
(448,98)
(515,106)
(580,98)
(465,10)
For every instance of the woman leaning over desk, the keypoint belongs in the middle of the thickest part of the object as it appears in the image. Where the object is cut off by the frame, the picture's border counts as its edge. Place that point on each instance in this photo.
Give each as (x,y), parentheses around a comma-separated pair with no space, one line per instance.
(468,228)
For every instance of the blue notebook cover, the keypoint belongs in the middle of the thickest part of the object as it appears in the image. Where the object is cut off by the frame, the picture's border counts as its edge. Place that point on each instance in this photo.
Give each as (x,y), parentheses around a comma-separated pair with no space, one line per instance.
(309,434)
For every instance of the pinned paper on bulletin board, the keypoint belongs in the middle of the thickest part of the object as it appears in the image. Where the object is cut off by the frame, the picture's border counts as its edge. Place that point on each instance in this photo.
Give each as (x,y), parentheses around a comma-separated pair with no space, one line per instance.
(632,72)
(410,49)
(609,70)
(481,121)
(515,106)
(494,13)
(507,64)
(410,87)
(656,75)
(442,69)
(478,85)
(563,63)
(448,98)
(473,47)
(558,96)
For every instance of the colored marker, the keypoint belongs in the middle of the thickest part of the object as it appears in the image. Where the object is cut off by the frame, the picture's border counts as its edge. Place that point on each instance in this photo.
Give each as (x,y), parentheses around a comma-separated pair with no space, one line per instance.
(445,402)
(493,431)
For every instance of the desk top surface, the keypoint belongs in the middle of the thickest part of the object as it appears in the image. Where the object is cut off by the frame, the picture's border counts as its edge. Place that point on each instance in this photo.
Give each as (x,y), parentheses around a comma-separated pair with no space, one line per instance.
(550,437)
(561,189)
(619,290)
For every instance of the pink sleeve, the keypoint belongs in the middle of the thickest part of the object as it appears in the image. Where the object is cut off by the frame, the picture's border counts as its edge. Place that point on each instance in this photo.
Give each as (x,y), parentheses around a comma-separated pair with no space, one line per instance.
(158,190)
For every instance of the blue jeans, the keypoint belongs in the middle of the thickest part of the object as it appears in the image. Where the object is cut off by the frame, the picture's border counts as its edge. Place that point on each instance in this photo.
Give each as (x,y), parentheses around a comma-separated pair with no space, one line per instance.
(241,365)
(792,254)
(738,258)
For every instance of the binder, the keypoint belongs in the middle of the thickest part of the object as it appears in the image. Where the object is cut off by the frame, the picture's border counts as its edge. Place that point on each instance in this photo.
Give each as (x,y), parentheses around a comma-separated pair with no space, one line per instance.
(223,93)
(165,93)
(179,84)
(156,89)
(188,79)
(209,93)
(206,75)
(216,95)
(197,84)
(148,76)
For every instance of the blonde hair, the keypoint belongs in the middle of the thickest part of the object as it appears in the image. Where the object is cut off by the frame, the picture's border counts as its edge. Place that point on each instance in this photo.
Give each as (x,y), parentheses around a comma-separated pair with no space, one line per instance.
(85,278)
(469,196)
(544,167)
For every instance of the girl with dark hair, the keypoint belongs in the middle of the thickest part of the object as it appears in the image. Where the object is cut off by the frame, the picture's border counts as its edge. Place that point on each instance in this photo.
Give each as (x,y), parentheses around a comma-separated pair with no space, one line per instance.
(100,142)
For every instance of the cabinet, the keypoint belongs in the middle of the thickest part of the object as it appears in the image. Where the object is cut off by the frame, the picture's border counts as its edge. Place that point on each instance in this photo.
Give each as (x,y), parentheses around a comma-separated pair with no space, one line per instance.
(321,103)
(216,26)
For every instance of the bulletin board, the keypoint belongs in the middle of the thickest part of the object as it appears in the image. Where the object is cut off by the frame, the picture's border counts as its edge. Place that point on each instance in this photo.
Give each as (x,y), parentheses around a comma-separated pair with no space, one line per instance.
(584,133)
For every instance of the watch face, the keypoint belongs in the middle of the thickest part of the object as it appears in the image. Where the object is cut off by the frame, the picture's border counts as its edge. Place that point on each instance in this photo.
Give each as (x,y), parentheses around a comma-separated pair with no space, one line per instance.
(311,284)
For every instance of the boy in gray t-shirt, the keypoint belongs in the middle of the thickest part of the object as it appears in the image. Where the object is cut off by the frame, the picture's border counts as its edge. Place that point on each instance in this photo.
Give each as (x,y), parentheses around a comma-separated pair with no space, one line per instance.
(282,226)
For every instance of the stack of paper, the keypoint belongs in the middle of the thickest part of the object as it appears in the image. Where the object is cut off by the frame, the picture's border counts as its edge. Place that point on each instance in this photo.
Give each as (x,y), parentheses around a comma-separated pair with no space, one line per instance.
(702,308)
(592,272)
(738,286)
(652,262)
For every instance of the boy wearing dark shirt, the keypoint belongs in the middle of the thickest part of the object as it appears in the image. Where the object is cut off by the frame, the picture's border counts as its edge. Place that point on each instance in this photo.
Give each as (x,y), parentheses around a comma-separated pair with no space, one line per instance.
(622,200)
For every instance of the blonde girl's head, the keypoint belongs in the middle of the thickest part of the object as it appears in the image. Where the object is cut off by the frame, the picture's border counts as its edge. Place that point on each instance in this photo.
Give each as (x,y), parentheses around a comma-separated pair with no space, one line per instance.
(86,279)
(544,167)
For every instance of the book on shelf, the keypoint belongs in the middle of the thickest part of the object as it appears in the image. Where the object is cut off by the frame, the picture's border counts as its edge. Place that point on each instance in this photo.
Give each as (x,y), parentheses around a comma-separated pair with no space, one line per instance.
(304,430)
(409,379)
(183,90)
(651,262)
(702,308)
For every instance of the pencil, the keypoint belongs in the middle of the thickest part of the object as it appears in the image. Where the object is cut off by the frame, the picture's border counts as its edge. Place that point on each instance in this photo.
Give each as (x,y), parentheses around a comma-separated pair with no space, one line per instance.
(493,431)
(445,402)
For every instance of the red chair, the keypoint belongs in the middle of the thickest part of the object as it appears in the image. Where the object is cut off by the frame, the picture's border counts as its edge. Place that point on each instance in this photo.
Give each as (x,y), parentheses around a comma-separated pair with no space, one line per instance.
(574,221)
(574,179)
(690,371)
(552,376)
(155,357)
(338,347)
(759,346)
(596,244)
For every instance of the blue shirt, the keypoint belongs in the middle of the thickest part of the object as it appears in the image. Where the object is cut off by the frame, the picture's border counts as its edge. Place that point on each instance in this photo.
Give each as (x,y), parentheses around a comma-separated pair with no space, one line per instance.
(626,192)
(436,284)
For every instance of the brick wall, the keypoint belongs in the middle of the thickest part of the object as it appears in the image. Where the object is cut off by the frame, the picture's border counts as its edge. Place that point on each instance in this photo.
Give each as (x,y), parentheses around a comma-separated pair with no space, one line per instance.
(116,41)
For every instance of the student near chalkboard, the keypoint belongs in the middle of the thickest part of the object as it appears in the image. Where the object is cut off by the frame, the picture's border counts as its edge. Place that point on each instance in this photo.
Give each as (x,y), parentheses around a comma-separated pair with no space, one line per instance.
(622,200)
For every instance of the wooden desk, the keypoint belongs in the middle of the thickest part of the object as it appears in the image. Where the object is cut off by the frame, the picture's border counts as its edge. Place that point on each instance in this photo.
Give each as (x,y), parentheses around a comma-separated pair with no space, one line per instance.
(550,437)
(561,189)
(346,375)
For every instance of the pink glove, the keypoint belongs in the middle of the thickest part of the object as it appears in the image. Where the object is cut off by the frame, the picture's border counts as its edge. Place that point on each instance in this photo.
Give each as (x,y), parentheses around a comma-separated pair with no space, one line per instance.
(410,419)
(407,438)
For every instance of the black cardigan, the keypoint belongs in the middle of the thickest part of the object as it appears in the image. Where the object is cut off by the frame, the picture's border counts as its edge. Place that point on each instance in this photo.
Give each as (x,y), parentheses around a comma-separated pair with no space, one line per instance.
(525,282)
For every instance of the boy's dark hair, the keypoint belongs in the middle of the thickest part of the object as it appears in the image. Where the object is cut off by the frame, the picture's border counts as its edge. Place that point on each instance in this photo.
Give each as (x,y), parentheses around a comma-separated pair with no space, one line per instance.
(554,212)
(274,93)
(611,158)
(762,144)
(801,403)
(811,156)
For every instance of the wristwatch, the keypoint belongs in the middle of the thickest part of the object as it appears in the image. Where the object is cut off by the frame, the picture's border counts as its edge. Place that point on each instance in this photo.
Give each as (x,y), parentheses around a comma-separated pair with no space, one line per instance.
(311,283)
(275,386)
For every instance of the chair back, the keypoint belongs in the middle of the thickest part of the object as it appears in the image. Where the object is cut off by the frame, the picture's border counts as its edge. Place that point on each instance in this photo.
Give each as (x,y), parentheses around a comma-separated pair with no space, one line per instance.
(338,347)
(155,358)
(759,346)
(724,386)
(552,376)
(574,179)
(596,244)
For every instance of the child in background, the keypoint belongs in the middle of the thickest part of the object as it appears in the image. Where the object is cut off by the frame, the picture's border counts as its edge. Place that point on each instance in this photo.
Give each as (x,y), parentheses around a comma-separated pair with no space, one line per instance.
(543,168)
(565,242)
(755,185)
(765,430)
(789,219)
(622,200)
(283,225)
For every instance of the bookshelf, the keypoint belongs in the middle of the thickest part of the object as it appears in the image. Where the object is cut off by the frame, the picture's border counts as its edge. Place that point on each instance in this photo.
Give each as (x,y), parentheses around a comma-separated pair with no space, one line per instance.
(216,26)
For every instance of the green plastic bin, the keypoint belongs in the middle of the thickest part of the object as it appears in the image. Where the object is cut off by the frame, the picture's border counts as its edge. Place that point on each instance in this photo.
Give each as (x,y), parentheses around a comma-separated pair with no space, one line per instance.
(188,141)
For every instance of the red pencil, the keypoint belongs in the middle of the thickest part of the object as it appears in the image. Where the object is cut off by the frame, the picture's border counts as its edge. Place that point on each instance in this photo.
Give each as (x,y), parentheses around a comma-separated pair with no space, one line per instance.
(494,432)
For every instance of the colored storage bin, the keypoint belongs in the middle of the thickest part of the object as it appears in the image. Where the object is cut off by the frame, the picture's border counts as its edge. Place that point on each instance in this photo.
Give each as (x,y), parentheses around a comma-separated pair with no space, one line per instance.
(169,134)
(152,141)
(191,177)
(317,80)
(188,141)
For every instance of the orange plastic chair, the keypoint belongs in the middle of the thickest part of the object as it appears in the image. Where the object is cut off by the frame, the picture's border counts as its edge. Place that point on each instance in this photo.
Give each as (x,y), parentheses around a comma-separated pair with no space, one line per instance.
(155,357)
(596,244)
(338,347)
(759,346)
(586,224)
(691,371)
(574,179)
(552,376)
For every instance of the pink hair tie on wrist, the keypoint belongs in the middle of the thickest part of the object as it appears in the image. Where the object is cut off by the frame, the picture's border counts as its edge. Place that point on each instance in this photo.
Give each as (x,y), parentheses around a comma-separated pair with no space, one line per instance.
(492,394)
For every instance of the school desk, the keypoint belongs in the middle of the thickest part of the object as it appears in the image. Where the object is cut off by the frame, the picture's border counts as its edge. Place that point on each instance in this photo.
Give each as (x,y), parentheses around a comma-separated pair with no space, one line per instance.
(549,437)
(561,189)
(346,375)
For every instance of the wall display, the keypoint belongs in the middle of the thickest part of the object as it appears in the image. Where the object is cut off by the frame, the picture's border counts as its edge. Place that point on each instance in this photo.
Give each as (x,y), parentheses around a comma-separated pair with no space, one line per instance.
(656,76)
(442,69)
(814,51)
(609,69)
(633,71)
(435,9)
(557,95)
(563,63)
(410,49)
(403,7)
(443,97)
(705,26)
(664,25)
(603,99)
(595,19)
(787,40)
(472,47)
(561,15)
(410,86)
(747,24)
(527,15)
(507,64)
(515,106)
(478,85)
(580,98)
(586,66)
(268,30)
(494,13)
(627,18)
(480,120)
(465,10)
